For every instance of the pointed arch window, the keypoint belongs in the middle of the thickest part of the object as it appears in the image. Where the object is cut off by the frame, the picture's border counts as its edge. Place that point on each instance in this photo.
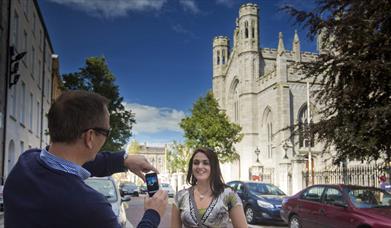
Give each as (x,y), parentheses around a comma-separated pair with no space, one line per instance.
(306,136)
(223,57)
(236,103)
(246,29)
(252,29)
(269,139)
(218,57)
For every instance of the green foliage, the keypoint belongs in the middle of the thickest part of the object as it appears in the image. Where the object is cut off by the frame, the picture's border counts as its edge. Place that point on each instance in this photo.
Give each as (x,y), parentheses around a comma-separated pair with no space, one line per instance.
(134,147)
(208,126)
(96,76)
(177,158)
(354,73)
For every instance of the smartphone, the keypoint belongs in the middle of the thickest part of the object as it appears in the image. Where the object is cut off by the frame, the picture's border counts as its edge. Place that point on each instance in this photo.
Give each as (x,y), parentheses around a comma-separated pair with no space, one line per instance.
(152,183)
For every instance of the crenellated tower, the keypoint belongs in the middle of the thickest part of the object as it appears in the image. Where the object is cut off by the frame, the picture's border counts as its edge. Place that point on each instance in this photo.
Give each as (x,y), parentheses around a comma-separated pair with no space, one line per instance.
(220,60)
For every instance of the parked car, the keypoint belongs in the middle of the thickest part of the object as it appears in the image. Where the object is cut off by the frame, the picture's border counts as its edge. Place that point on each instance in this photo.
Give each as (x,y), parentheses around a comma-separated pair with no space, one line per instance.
(167,187)
(108,187)
(261,201)
(129,188)
(338,206)
(143,189)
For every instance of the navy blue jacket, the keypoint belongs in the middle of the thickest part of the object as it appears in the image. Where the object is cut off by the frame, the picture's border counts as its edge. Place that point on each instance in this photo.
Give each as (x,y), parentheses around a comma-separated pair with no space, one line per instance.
(36,195)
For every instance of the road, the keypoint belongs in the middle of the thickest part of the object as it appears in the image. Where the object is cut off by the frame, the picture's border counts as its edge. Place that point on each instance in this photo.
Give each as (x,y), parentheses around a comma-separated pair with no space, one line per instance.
(135,211)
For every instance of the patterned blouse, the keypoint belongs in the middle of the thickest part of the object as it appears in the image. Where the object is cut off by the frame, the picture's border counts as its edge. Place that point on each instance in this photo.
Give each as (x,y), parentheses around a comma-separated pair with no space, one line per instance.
(216,215)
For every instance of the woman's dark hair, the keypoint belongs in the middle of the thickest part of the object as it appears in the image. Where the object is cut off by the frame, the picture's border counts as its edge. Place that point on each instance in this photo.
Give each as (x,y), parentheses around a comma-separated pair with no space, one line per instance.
(74,112)
(216,179)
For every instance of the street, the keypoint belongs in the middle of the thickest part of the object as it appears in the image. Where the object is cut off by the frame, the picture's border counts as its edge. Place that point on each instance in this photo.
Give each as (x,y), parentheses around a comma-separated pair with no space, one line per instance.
(135,211)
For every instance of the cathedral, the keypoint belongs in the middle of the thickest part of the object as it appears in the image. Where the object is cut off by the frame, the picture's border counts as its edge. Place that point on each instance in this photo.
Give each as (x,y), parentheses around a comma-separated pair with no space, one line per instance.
(260,90)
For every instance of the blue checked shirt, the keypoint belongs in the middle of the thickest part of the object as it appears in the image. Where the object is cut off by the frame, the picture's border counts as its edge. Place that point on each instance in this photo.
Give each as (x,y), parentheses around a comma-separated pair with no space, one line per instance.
(63,165)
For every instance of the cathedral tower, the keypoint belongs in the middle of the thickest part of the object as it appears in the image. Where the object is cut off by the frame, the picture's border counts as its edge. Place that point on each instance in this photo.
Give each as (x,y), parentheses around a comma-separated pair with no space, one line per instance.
(220,60)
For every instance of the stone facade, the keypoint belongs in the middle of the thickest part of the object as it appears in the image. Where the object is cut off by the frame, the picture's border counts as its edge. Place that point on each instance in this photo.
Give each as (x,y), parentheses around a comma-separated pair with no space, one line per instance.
(261,91)
(29,99)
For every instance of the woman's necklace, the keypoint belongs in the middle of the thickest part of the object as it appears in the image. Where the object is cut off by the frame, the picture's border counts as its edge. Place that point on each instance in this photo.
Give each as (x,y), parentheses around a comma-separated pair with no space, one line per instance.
(202,194)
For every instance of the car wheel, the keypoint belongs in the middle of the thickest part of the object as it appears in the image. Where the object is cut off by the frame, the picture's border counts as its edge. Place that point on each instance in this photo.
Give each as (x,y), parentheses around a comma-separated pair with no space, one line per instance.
(294,222)
(249,212)
(136,194)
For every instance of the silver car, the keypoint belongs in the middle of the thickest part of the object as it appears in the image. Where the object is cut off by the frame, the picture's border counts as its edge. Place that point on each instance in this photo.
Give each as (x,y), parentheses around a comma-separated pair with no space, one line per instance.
(108,187)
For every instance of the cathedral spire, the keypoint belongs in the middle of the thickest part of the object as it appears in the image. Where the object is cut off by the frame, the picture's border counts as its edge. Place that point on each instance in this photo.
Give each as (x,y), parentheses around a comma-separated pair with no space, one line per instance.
(296,47)
(280,49)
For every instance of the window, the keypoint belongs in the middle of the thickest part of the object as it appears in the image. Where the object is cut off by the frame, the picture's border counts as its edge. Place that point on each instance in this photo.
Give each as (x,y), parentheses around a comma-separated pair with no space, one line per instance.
(33,61)
(333,196)
(223,57)
(313,194)
(236,104)
(252,29)
(21,147)
(34,23)
(39,74)
(22,103)
(246,29)
(269,139)
(304,135)
(13,101)
(40,39)
(38,118)
(31,113)
(15,30)
(218,57)
(25,40)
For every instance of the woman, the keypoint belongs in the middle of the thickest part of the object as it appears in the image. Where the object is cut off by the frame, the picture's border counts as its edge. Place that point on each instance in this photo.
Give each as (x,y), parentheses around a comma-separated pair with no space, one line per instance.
(208,202)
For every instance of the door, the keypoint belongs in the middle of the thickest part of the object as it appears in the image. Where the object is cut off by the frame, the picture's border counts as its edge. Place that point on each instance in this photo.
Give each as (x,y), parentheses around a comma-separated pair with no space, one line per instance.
(334,212)
(308,206)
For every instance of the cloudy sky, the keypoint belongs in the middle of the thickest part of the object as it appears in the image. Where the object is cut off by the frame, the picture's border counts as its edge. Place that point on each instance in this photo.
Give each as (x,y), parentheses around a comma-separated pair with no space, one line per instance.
(159,50)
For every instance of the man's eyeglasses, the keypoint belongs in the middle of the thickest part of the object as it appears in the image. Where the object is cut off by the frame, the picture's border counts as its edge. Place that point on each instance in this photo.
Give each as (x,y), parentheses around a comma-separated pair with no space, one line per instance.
(102,131)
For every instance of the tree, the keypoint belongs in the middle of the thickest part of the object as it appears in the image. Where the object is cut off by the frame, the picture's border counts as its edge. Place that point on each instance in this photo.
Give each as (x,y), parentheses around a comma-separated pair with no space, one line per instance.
(95,76)
(354,71)
(177,156)
(208,126)
(134,147)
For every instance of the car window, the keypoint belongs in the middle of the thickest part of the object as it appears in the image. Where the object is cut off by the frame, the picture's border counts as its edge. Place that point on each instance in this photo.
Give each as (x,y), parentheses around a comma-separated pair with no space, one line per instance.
(365,197)
(333,196)
(105,187)
(240,188)
(313,194)
(265,189)
(232,185)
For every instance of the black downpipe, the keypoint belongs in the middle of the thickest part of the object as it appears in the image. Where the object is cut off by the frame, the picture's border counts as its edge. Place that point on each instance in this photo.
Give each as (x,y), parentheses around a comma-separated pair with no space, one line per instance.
(7,70)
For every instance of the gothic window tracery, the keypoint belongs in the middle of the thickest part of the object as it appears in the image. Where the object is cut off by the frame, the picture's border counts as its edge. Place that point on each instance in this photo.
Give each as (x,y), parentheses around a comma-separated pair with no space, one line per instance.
(236,103)
(306,137)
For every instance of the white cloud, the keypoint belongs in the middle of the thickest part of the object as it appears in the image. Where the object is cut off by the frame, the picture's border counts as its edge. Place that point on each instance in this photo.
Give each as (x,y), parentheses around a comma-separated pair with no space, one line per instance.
(190,5)
(151,119)
(228,3)
(112,8)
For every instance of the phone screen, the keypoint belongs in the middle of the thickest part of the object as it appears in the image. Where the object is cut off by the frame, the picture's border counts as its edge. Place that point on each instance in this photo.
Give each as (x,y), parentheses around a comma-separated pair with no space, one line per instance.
(152,183)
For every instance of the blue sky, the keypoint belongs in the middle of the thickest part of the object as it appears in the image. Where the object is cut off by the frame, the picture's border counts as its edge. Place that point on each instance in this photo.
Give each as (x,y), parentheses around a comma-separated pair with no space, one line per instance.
(159,50)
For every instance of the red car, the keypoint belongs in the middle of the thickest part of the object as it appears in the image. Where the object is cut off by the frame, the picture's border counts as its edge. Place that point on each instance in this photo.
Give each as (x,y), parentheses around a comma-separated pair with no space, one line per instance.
(338,206)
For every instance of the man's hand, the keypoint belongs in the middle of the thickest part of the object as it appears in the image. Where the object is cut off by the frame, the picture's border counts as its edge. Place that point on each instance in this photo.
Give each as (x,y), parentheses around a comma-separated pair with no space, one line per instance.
(139,165)
(157,202)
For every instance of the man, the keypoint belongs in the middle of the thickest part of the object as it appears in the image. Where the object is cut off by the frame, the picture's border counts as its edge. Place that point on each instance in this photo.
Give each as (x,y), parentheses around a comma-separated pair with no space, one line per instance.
(46,188)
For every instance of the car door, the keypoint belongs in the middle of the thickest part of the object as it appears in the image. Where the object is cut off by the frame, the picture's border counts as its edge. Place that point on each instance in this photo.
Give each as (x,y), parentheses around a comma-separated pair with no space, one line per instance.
(308,206)
(334,211)
(241,190)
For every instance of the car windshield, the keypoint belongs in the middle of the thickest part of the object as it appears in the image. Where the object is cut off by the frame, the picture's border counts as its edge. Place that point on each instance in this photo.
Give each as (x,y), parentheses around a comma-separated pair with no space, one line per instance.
(365,197)
(265,189)
(105,187)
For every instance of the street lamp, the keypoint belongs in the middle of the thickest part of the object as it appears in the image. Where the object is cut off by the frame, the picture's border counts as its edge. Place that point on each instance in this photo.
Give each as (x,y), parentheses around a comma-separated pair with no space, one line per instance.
(257,153)
(285,147)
